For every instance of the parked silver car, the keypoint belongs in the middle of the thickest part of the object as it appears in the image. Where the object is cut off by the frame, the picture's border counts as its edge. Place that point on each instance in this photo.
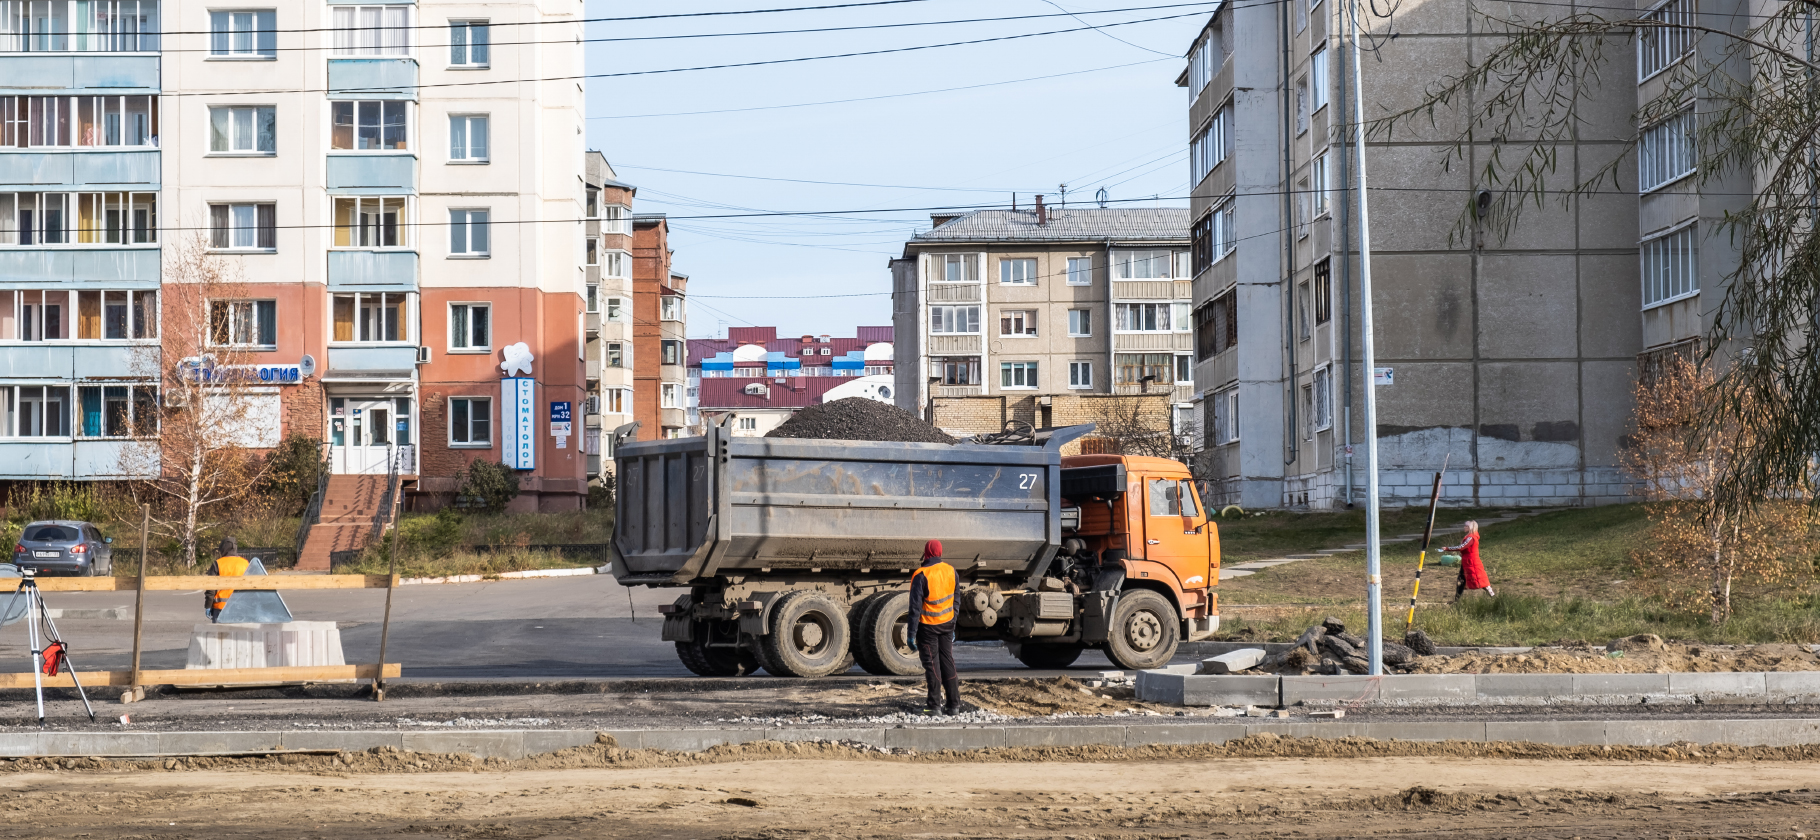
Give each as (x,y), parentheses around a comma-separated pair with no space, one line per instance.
(63,547)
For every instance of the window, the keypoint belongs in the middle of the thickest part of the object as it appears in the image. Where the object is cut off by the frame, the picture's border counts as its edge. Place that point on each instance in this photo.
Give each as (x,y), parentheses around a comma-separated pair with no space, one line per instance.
(78,218)
(1301,105)
(957,268)
(1080,271)
(592,301)
(616,354)
(468,40)
(616,310)
(243,323)
(669,308)
(468,138)
(368,126)
(1301,14)
(243,227)
(1017,272)
(246,131)
(956,370)
(1017,374)
(78,121)
(1666,151)
(468,233)
(615,266)
(470,421)
(106,26)
(1142,265)
(470,327)
(1211,146)
(1014,323)
(954,320)
(617,219)
(669,398)
(1150,317)
(672,352)
(592,206)
(372,30)
(36,410)
(1204,62)
(1080,375)
(1301,295)
(1323,291)
(371,316)
(748,424)
(1184,369)
(117,411)
(1226,416)
(1658,47)
(1671,266)
(1301,208)
(380,222)
(1172,497)
(244,34)
(1317,78)
(615,400)
(1318,178)
(1223,230)
(1132,368)
(100,316)
(1080,322)
(1216,325)
(1323,398)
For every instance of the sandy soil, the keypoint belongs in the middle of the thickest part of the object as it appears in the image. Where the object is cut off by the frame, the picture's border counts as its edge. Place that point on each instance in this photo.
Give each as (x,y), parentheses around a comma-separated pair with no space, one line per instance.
(816,793)
(1645,654)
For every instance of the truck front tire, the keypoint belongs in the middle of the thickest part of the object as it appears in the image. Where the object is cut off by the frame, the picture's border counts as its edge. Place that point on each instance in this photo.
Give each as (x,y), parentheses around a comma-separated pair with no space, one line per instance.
(809,636)
(879,635)
(1145,631)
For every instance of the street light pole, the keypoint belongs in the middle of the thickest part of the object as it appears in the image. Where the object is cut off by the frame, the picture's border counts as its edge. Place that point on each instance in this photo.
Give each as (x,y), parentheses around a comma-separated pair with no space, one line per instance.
(1374,582)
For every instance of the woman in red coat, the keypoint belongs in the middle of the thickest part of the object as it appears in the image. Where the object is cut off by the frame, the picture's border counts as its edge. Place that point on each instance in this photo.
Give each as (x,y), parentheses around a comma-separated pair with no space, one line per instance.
(1472,570)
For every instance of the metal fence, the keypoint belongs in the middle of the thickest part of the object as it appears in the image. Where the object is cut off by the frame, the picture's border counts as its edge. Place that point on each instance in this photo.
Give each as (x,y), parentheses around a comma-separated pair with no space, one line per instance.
(595,553)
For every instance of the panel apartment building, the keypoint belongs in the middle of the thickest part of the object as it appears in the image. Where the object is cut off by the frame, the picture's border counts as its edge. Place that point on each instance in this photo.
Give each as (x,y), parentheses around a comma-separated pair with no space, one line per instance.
(398,205)
(1018,314)
(609,303)
(1510,359)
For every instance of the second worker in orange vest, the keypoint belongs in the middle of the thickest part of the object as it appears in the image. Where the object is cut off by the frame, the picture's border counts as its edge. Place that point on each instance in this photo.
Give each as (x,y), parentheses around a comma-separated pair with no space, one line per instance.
(932,621)
(229,564)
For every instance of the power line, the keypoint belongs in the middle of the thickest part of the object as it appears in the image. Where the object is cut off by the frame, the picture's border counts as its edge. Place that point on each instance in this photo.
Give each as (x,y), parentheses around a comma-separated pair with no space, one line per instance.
(803,181)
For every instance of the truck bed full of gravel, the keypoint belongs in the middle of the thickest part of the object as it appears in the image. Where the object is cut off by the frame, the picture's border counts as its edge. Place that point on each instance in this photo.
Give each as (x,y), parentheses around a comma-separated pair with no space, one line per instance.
(858,418)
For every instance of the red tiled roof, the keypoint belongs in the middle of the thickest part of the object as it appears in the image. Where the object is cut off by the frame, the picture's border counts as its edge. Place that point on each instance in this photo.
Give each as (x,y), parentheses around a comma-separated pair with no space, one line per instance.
(721,393)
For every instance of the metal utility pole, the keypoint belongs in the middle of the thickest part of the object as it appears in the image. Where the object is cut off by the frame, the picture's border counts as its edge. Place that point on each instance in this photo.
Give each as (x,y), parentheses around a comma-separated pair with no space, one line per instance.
(1374,581)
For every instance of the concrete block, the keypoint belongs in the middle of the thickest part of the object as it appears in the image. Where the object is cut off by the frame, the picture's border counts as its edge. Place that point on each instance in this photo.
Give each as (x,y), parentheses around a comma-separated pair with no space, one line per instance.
(1420,731)
(1769,733)
(1656,733)
(204,743)
(1751,685)
(931,738)
(1160,687)
(695,740)
(1140,735)
(543,741)
(294,643)
(1570,733)
(1783,686)
(497,744)
(1110,735)
(1428,689)
(345,741)
(95,743)
(874,735)
(628,739)
(1523,689)
(1232,690)
(1588,686)
(1232,663)
(1330,690)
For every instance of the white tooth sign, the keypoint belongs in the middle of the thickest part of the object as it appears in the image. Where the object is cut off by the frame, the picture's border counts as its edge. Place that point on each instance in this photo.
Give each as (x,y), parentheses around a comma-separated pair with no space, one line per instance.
(518,403)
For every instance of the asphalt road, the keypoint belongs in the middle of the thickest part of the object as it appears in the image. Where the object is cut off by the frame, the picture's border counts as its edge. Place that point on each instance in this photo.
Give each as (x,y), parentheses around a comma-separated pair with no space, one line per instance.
(550,628)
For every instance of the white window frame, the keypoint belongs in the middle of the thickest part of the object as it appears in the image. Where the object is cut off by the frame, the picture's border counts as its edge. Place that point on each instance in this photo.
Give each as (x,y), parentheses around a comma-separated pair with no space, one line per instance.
(1026,371)
(233,230)
(357,227)
(616,218)
(966,265)
(1669,276)
(1662,47)
(1226,416)
(669,396)
(609,350)
(468,321)
(56,218)
(1667,151)
(1224,239)
(464,224)
(1017,271)
(669,308)
(748,424)
(1212,144)
(407,318)
(244,314)
(470,443)
(461,55)
(613,264)
(354,126)
(943,320)
(260,38)
(12,398)
(1164,313)
(1318,177)
(1080,375)
(1317,79)
(1077,319)
(1080,271)
(1184,369)
(1323,398)
(1125,264)
(615,310)
(139,395)
(1014,318)
(371,31)
(255,116)
(461,128)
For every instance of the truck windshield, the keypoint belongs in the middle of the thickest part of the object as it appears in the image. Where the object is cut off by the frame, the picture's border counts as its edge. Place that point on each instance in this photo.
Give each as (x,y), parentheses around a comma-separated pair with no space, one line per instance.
(1169,497)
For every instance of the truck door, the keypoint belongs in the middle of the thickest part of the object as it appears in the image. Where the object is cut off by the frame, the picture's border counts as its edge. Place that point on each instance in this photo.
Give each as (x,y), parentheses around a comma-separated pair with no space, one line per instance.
(1175,530)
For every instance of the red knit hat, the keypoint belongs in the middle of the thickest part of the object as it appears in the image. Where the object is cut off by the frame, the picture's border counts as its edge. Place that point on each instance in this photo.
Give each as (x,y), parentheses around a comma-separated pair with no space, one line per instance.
(932,548)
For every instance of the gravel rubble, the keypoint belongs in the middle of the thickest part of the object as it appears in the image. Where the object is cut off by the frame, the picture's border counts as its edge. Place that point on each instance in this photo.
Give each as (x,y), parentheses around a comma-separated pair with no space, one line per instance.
(858,418)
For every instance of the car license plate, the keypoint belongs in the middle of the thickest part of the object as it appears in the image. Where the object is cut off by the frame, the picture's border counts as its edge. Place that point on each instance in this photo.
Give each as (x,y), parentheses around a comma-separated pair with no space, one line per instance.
(50,554)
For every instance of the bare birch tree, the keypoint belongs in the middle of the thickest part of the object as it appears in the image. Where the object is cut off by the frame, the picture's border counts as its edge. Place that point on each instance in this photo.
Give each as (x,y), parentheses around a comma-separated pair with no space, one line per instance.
(206,462)
(1134,425)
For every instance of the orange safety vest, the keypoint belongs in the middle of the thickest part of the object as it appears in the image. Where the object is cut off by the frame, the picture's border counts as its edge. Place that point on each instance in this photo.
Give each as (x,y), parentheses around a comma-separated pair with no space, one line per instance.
(230,566)
(938,605)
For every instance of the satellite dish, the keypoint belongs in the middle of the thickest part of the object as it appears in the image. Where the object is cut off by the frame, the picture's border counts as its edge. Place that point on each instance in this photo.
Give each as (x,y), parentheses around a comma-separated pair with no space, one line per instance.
(1101,197)
(306,366)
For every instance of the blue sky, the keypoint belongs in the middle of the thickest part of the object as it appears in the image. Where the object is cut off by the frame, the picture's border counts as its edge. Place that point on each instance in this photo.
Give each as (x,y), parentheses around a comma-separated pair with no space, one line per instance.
(1122,128)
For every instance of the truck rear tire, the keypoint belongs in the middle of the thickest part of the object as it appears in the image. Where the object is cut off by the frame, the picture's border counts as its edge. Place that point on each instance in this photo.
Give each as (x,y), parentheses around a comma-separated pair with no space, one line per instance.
(879,640)
(707,661)
(1144,631)
(1047,656)
(809,636)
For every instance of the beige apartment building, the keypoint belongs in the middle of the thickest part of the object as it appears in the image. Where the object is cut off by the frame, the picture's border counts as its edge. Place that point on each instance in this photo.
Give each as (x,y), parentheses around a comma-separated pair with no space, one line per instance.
(608,267)
(998,314)
(1508,359)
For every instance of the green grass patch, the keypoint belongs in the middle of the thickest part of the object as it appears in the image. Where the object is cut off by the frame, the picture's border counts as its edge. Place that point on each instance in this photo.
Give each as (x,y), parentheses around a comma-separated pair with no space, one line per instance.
(1268,534)
(464,562)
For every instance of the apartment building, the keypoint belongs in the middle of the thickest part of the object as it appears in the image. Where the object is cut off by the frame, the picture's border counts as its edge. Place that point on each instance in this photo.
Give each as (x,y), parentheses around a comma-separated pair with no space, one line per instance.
(1018,307)
(1507,358)
(608,265)
(659,332)
(775,377)
(400,230)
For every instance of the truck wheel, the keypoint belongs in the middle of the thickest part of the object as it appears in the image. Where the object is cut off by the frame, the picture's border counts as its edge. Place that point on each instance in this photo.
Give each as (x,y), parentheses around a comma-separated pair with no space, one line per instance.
(809,636)
(1047,656)
(1144,631)
(879,640)
(707,661)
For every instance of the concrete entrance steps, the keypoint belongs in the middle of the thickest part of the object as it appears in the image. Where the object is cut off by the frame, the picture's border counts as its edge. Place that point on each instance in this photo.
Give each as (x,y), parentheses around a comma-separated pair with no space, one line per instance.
(1239,570)
(348,508)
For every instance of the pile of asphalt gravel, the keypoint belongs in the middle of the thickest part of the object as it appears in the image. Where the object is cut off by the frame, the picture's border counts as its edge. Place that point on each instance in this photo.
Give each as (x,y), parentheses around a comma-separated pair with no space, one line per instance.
(858,418)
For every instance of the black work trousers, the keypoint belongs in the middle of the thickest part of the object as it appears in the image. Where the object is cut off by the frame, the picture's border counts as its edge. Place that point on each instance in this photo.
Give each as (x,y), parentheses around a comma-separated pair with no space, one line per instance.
(935,644)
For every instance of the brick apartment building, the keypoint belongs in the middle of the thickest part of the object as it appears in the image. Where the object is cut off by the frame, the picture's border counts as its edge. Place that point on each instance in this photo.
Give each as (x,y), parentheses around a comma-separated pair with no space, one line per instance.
(659,332)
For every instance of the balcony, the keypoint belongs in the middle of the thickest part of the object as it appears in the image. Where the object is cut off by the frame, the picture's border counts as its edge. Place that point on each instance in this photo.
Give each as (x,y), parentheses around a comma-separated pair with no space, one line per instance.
(390,362)
(372,174)
(372,78)
(67,360)
(51,73)
(86,169)
(80,267)
(373,271)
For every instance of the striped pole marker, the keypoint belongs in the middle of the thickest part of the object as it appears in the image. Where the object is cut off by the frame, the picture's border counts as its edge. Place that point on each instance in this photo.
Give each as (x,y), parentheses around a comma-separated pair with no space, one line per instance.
(1428,533)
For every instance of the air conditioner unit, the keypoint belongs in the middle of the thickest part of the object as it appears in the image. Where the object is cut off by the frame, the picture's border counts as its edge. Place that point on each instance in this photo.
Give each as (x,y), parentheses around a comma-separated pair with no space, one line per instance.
(757,389)
(423,355)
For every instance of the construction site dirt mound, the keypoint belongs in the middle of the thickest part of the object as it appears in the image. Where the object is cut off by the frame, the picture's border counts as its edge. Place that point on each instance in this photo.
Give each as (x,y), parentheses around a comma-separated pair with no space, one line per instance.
(858,418)
(1058,696)
(1632,655)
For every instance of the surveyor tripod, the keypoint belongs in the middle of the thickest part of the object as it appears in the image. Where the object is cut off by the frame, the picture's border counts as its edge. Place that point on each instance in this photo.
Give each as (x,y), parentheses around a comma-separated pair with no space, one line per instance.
(52,655)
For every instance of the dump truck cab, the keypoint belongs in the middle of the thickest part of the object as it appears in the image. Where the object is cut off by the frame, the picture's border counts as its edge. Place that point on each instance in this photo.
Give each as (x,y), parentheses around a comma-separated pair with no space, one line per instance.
(1144,516)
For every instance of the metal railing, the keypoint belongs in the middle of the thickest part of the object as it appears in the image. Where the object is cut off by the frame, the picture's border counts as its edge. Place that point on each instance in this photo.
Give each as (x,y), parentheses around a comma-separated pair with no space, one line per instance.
(593,553)
(313,512)
(394,455)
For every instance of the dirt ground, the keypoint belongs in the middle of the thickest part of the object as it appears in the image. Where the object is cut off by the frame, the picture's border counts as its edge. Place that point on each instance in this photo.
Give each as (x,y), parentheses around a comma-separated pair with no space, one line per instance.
(1264,788)
(1644,654)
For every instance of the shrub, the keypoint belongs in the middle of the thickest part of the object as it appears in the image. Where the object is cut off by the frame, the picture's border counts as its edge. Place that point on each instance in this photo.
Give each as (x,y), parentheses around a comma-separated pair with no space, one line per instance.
(292,471)
(488,486)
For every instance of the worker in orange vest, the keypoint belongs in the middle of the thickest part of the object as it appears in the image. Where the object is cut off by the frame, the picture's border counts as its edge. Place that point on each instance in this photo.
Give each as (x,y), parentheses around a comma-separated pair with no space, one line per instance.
(229,564)
(932,614)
